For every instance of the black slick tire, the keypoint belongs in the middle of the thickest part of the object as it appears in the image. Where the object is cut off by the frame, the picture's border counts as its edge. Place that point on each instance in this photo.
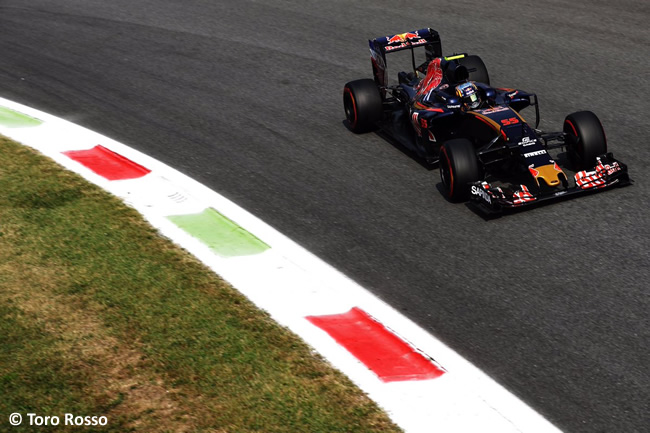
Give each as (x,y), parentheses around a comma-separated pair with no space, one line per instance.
(458,168)
(586,138)
(362,104)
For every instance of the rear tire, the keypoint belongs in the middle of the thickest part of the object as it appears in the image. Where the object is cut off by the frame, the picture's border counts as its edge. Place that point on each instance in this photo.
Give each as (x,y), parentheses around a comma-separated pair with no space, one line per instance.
(363,105)
(587,138)
(458,168)
(476,68)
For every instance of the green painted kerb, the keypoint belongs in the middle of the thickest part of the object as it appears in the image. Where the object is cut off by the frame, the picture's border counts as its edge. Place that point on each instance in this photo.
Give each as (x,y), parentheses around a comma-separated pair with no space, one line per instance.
(14,119)
(224,237)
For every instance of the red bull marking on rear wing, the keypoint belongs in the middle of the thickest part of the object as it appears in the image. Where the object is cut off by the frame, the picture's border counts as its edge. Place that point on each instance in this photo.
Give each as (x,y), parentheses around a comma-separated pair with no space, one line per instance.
(404,40)
(401,41)
(402,37)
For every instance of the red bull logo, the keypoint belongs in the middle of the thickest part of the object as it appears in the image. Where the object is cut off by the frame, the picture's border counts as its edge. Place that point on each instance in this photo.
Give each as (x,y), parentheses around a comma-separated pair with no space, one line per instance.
(403,37)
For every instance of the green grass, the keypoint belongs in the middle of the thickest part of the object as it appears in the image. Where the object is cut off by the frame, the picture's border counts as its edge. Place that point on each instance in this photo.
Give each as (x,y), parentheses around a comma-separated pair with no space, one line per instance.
(100,315)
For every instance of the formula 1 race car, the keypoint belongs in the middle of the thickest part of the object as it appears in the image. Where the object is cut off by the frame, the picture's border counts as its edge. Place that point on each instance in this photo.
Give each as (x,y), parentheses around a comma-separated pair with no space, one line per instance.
(445,111)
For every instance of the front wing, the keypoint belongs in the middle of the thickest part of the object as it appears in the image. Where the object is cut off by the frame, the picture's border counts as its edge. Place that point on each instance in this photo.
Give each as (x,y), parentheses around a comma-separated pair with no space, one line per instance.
(608,173)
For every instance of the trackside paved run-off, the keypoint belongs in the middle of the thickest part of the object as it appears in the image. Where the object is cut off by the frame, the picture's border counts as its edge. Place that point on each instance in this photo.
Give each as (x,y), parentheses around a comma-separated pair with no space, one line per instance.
(422,384)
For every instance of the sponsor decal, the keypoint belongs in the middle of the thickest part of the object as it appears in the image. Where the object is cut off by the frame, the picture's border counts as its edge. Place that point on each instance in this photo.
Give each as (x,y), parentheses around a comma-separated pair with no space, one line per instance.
(510,121)
(535,153)
(432,137)
(527,141)
(403,37)
(416,123)
(480,192)
(610,169)
(453,106)
(405,44)
(391,48)
(510,95)
(493,110)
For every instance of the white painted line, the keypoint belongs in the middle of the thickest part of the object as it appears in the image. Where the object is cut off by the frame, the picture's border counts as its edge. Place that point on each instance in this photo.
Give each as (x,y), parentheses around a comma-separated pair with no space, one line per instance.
(291,283)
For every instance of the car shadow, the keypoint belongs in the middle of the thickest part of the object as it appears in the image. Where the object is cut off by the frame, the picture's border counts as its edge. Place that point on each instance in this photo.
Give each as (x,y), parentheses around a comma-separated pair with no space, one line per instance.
(397,145)
(429,166)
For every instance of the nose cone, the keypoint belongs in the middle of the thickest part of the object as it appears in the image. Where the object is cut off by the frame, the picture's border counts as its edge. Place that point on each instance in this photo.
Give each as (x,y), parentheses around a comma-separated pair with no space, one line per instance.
(551,174)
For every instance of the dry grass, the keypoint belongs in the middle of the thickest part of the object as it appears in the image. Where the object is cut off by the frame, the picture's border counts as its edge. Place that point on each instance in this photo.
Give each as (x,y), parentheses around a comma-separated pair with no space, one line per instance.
(102,316)
(119,376)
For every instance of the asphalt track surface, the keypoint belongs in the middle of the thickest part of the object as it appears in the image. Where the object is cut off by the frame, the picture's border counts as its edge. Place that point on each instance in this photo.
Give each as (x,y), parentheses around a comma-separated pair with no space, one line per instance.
(246,97)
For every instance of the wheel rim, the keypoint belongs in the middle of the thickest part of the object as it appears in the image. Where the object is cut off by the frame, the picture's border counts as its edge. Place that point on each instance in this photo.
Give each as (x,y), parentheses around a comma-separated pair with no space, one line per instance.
(350,107)
(577,146)
(446,174)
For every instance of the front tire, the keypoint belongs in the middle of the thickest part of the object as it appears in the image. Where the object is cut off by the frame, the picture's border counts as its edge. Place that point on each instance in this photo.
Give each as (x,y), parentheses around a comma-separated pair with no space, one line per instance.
(586,138)
(363,105)
(458,168)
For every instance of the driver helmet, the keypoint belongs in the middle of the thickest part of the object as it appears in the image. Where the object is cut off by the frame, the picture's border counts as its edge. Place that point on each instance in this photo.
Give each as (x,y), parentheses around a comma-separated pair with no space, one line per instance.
(469,96)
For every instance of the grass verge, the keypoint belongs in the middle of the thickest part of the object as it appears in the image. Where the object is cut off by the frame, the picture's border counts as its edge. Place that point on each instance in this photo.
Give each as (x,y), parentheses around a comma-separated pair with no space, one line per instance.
(100,315)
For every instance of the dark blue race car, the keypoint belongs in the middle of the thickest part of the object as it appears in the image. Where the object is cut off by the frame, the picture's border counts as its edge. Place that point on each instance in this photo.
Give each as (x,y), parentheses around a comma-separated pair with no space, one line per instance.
(445,111)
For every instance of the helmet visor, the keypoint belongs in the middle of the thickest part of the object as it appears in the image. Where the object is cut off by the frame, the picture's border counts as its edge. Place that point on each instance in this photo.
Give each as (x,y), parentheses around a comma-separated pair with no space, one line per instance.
(472,100)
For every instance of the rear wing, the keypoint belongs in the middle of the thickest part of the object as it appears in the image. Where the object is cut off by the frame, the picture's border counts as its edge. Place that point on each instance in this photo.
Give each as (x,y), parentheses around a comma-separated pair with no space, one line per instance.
(379,47)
